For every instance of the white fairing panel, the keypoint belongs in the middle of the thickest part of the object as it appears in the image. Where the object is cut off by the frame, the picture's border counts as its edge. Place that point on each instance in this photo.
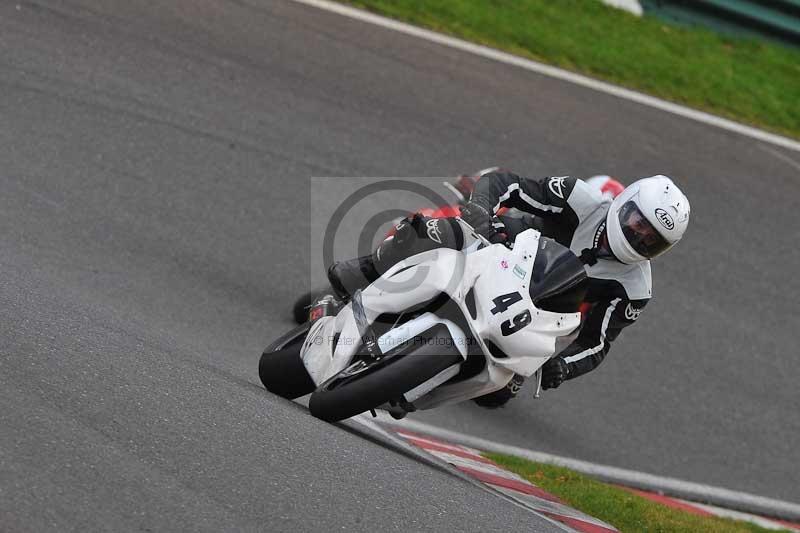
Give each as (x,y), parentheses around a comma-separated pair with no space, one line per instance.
(523,337)
(407,284)
(316,352)
(507,273)
(399,335)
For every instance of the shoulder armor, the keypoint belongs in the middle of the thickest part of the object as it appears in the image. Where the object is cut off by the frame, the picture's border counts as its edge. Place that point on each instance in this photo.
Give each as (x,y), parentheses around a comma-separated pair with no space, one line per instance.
(636,279)
(585,200)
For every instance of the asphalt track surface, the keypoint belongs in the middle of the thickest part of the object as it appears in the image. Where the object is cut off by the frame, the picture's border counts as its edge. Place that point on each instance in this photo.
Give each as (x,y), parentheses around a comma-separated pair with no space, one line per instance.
(154,165)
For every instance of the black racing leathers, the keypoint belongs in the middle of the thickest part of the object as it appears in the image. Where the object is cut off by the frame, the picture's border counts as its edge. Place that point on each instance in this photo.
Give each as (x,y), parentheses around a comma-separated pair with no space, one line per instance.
(569,211)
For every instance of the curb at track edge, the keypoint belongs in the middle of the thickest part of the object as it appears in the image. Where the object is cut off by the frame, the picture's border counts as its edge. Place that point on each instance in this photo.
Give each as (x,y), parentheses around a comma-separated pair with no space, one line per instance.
(740,501)
(376,433)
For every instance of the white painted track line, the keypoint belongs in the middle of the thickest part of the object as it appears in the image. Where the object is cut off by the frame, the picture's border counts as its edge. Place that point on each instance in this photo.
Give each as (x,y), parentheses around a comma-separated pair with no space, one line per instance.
(738,515)
(554,72)
(730,499)
(783,157)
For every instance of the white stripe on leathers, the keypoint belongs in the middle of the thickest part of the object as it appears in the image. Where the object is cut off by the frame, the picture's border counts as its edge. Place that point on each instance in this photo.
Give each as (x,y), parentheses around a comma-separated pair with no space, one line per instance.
(590,351)
(525,198)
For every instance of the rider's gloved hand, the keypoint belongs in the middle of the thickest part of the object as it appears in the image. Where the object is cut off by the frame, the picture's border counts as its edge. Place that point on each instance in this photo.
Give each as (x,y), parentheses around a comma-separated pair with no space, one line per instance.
(480,219)
(554,372)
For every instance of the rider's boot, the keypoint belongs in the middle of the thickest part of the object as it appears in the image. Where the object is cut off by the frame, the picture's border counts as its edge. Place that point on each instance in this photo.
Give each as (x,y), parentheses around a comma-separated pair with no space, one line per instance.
(324,305)
(315,304)
(500,398)
(412,235)
(347,276)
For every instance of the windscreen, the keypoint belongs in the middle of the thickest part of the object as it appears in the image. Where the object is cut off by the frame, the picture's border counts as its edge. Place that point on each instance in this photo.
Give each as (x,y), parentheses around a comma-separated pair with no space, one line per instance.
(558,281)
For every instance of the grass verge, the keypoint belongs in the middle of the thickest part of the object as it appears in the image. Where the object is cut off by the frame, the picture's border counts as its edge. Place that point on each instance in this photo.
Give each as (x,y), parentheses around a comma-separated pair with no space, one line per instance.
(618,507)
(746,80)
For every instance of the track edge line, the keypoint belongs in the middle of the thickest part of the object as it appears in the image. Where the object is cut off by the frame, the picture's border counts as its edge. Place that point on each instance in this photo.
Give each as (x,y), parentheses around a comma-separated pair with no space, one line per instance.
(554,72)
(741,501)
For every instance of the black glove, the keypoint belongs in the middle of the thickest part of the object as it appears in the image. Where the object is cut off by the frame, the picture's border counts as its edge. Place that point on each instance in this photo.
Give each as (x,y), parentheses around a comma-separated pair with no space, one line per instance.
(554,372)
(480,219)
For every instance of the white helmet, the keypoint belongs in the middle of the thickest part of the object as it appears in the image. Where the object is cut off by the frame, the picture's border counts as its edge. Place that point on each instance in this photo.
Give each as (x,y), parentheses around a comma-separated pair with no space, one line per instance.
(647,219)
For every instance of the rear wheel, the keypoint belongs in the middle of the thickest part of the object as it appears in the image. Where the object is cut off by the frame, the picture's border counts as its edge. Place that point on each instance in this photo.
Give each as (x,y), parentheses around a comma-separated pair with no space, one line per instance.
(369,385)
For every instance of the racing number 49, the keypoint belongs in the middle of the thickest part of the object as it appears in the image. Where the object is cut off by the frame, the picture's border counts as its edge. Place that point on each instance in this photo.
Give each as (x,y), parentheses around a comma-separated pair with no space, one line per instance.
(502,303)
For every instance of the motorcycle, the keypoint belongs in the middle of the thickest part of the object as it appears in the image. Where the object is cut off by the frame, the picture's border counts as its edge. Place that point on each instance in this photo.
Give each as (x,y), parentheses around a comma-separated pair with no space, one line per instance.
(440,327)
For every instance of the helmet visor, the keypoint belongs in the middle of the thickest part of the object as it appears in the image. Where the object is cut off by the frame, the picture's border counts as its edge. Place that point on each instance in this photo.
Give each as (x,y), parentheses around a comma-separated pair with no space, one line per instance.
(639,232)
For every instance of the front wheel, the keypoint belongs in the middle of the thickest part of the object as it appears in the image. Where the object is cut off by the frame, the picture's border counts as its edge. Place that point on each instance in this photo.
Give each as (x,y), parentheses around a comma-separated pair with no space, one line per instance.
(359,389)
(280,368)
(284,374)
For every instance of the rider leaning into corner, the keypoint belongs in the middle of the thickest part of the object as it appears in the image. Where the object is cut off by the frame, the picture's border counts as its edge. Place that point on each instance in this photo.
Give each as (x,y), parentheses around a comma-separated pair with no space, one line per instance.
(615,233)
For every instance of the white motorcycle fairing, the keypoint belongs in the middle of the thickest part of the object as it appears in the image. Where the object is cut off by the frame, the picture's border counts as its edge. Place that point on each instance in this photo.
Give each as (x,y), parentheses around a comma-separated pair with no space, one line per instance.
(491,288)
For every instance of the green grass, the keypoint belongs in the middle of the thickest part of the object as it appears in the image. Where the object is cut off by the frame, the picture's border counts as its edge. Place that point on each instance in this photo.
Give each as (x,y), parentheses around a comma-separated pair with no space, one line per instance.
(749,81)
(620,508)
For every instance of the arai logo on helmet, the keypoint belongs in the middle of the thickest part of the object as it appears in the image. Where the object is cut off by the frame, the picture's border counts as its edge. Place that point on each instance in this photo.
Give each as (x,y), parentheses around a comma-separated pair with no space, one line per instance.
(665,219)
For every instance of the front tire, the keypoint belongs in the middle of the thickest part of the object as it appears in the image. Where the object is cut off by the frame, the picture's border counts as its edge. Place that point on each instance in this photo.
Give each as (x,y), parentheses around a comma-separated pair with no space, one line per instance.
(280,368)
(387,379)
(284,374)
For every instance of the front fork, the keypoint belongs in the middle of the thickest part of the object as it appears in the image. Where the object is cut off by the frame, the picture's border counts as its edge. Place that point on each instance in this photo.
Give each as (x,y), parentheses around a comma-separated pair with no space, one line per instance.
(538,377)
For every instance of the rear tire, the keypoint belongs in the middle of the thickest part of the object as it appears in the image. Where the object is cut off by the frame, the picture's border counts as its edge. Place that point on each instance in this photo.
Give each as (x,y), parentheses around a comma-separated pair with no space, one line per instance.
(388,379)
